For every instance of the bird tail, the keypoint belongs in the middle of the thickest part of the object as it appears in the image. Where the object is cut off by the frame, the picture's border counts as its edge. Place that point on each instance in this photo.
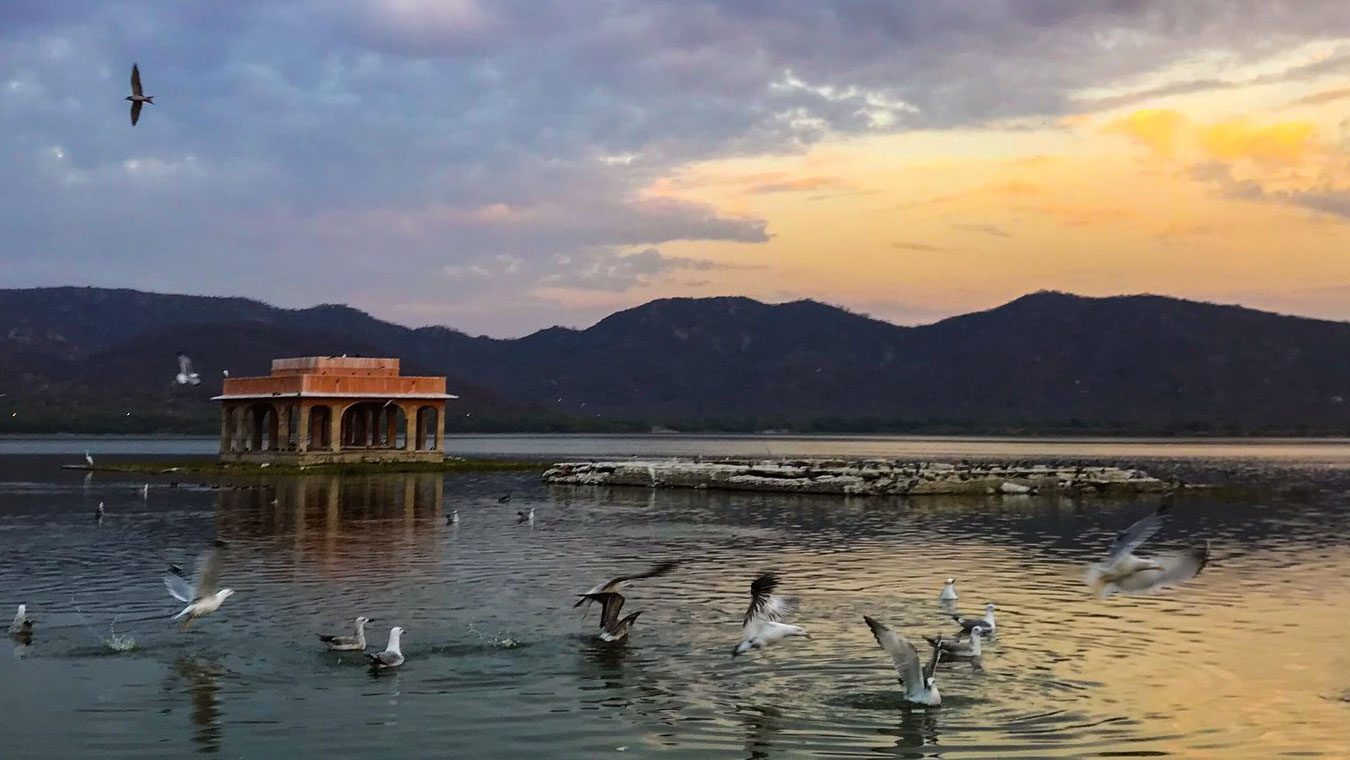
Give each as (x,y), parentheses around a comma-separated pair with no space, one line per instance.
(150,99)
(325,639)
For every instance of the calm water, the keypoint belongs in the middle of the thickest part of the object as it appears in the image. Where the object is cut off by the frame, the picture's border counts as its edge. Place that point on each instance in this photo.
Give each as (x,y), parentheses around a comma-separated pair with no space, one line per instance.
(1250,659)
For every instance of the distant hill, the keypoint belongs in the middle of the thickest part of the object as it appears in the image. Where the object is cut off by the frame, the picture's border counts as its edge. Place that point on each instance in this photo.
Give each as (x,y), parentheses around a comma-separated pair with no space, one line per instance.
(82,358)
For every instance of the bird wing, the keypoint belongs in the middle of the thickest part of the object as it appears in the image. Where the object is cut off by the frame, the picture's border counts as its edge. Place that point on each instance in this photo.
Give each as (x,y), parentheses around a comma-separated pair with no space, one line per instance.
(764,606)
(903,653)
(1176,568)
(135,112)
(1129,539)
(185,364)
(179,588)
(613,584)
(208,573)
(385,658)
(931,667)
(135,82)
(611,603)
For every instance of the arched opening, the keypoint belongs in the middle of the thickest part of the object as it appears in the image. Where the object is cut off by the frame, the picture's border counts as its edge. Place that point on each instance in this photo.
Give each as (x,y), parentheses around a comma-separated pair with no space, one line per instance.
(263,427)
(371,425)
(320,423)
(427,438)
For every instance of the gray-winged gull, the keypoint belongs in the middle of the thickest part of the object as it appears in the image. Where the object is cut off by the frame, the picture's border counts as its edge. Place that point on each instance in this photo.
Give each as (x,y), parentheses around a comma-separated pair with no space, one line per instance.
(392,656)
(611,627)
(356,643)
(763,623)
(920,685)
(986,622)
(202,597)
(958,648)
(1123,570)
(22,625)
(948,593)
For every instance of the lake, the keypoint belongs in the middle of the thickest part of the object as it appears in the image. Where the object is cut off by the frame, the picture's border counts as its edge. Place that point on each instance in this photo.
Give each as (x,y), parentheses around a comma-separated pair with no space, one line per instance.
(1249,659)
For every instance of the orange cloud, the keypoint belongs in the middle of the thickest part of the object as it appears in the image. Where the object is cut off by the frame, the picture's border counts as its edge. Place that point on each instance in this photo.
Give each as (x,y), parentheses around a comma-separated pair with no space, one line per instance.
(1288,141)
(1156,128)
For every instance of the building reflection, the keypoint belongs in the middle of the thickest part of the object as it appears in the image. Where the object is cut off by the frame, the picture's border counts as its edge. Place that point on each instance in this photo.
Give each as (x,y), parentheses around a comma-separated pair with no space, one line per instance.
(337,523)
(201,683)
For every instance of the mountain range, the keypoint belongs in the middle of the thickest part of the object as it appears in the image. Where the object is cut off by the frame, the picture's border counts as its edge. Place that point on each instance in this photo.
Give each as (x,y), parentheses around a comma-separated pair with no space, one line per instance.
(94,359)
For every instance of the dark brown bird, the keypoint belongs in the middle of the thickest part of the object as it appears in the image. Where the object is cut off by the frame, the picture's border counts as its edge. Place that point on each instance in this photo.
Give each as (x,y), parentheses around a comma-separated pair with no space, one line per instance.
(612,628)
(137,97)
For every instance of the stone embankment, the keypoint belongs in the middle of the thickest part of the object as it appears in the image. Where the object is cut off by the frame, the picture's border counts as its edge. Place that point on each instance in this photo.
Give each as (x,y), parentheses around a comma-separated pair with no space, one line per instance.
(861,477)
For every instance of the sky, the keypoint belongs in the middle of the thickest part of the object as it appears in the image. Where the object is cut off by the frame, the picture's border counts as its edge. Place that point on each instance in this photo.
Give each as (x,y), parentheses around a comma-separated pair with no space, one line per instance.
(500,167)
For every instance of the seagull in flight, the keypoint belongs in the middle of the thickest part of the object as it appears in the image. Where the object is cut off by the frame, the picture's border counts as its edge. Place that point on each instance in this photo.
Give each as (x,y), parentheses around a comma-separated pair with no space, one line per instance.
(1123,570)
(920,687)
(948,591)
(137,97)
(355,643)
(185,374)
(202,597)
(614,584)
(985,623)
(763,624)
(611,627)
(391,657)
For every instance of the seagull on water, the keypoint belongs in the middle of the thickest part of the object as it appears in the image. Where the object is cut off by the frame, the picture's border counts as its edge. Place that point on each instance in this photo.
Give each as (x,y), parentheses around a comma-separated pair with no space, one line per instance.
(525,517)
(1122,570)
(137,97)
(506,499)
(920,686)
(88,458)
(22,625)
(391,657)
(948,591)
(452,518)
(98,512)
(611,627)
(763,623)
(614,584)
(986,623)
(185,374)
(202,597)
(355,643)
(145,491)
(955,648)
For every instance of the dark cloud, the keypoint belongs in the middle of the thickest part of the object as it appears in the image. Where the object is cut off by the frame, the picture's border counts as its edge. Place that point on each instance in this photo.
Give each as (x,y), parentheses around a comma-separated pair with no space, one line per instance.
(355,150)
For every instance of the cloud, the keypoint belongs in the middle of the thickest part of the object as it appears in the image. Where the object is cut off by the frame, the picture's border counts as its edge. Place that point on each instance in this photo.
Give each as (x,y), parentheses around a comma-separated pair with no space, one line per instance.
(619,272)
(1169,133)
(983,228)
(908,245)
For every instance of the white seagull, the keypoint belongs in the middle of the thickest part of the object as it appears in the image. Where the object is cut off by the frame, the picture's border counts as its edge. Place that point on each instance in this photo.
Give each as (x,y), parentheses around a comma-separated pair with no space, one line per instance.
(185,374)
(763,624)
(1122,570)
(948,591)
(355,643)
(955,648)
(202,597)
(98,512)
(391,657)
(21,626)
(137,97)
(88,458)
(452,518)
(523,517)
(986,623)
(611,627)
(920,686)
(614,584)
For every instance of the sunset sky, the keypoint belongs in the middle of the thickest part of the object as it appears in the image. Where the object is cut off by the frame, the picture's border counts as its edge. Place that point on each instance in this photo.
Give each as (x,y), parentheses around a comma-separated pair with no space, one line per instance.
(504,166)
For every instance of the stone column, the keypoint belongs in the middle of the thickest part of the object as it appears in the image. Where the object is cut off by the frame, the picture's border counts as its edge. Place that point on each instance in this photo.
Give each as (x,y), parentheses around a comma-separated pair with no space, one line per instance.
(410,428)
(225,409)
(302,429)
(391,427)
(335,427)
(283,440)
(241,428)
(440,429)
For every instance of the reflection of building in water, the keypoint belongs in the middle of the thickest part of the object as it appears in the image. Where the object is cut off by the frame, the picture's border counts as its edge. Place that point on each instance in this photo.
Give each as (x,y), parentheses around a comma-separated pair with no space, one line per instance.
(334,520)
(318,409)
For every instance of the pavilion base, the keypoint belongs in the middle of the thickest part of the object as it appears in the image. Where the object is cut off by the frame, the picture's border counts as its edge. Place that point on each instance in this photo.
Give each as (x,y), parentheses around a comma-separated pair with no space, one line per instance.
(346,456)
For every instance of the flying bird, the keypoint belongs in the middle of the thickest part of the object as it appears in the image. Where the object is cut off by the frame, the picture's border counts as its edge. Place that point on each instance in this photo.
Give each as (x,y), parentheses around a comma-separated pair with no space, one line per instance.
(391,657)
(185,374)
(1123,570)
(137,97)
(614,584)
(355,643)
(202,597)
(920,686)
(948,591)
(763,624)
(611,627)
(985,623)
